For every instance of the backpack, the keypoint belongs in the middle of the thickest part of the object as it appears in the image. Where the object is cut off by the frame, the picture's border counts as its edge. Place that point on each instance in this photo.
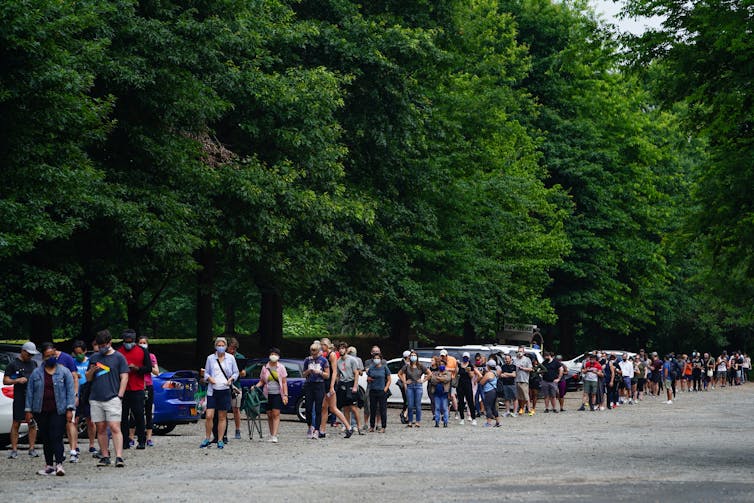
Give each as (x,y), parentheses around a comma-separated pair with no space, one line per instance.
(676,369)
(500,387)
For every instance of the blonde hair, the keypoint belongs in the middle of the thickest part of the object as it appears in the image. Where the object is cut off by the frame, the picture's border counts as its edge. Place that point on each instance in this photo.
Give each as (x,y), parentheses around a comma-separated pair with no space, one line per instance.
(351,350)
(324,341)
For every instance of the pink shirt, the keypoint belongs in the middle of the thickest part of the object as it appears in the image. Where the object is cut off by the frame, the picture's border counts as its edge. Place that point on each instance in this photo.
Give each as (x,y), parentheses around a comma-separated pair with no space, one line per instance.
(270,384)
(148,377)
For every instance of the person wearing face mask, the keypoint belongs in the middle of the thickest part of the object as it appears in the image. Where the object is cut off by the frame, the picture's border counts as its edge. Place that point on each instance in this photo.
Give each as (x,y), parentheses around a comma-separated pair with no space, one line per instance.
(48,349)
(143,343)
(403,416)
(451,365)
(108,373)
(347,386)
(139,365)
(489,388)
(235,402)
(17,373)
(479,362)
(273,380)
(413,374)
(523,369)
(83,409)
(51,400)
(378,376)
(466,374)
(220,372)
(440,381)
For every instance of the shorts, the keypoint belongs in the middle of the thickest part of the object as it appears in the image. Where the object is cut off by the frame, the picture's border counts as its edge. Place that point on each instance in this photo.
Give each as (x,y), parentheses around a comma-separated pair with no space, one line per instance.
(274,402)
(109,411)
(590,387)
(345,397)
(219,399)
(640,384)
(549,389)
(19,414)
(627,382)
(656,377)
(522,391)
(509,392)
(235,403)
(722,374)
(84,409)
(668,383)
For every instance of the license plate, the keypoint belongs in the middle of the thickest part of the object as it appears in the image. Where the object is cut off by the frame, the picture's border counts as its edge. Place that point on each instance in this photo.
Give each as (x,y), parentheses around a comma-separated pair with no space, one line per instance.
(193,411)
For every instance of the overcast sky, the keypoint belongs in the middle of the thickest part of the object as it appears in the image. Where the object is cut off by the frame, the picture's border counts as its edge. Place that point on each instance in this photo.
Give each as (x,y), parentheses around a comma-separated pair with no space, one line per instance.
(610,10)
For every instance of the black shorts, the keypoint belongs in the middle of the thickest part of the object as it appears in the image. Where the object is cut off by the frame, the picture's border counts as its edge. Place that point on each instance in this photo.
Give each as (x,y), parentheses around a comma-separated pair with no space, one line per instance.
(345,395)
(274,402)
(18,410)
(219,400)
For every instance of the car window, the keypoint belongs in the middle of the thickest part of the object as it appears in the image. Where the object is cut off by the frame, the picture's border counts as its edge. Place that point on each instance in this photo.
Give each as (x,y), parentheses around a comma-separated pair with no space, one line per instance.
(5,360)
(394,367)
(253,370)
(292,369)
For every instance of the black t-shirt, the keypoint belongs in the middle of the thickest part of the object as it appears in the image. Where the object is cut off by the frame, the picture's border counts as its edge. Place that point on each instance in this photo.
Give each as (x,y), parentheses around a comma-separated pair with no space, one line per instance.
(463,373)
(508,369)
(553,369)
(18,368)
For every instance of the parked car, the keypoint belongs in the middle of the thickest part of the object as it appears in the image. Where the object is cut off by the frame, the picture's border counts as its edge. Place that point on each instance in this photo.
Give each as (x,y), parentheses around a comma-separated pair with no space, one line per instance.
(174,401)
(394,366)
(574,366)
(6,413)
(295,369)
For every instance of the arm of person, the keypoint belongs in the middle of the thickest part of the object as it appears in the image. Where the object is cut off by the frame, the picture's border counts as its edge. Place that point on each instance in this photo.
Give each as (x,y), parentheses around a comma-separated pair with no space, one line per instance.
(8,381)
(355,379)
(91,371)
(29,399)
(123,384)
(146,364)
(284,389)
(70,397)
(155,367)
(233,369)
(388,380)
(208,377)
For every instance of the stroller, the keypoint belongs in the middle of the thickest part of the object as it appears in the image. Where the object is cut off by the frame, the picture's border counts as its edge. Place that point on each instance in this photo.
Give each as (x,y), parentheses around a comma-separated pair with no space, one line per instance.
(251,404)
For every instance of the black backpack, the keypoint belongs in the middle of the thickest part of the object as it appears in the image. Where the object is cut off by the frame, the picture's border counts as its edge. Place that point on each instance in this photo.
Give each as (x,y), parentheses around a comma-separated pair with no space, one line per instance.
(499,387)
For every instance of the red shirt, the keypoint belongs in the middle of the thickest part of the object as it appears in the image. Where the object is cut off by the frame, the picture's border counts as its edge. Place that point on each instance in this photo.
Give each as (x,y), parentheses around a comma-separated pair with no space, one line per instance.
(135,377)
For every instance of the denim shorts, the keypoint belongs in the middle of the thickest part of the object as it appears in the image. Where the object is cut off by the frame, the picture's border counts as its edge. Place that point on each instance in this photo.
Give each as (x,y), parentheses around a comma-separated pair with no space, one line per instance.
(219,399)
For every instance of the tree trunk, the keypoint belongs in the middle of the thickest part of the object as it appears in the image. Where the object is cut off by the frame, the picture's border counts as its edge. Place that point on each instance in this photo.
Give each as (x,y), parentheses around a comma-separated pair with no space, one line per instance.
(133,314)
(205,284)
(567,339)
(400,327)
(87,330)
(469,333)
(40,328)
(230,318)
(270,318)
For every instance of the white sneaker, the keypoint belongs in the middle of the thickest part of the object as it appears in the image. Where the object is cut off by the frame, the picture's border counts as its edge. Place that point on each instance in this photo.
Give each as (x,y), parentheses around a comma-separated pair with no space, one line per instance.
(602,407)
(273,439)
(462,421)
(59,470)
(669,402)
(473,422)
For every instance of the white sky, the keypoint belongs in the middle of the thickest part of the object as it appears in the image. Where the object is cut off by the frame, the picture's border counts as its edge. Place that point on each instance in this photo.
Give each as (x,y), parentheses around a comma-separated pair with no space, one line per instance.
(609,11)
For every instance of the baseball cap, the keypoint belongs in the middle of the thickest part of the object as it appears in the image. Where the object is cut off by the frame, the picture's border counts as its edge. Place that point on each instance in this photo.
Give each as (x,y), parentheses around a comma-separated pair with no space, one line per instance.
(406,354)
(30,348)
(491,363)
(466,353)
(129,334)
(444,352)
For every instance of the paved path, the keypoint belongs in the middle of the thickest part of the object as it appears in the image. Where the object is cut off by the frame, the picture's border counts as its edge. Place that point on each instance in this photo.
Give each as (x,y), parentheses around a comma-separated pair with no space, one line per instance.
(701,448)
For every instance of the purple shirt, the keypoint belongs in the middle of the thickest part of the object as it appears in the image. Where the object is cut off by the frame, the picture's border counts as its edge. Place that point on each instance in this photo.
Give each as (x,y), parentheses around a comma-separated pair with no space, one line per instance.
(67,361)
(320,363)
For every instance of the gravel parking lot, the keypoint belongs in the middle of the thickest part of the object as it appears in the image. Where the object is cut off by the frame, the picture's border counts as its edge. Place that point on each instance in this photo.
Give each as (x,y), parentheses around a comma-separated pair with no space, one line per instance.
(700,448)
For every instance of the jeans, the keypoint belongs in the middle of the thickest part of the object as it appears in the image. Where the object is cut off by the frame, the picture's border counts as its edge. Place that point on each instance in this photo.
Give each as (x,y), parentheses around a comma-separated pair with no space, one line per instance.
(133,403)
(51,427)
(414,394)
(441,408)
(315,393)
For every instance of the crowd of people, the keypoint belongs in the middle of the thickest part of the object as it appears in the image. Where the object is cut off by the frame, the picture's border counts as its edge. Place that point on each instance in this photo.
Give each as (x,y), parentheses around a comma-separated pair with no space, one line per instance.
(112,390)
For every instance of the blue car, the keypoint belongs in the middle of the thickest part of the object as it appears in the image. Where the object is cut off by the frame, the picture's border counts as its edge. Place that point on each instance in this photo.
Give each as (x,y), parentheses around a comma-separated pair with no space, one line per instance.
(174,401)
(295,368)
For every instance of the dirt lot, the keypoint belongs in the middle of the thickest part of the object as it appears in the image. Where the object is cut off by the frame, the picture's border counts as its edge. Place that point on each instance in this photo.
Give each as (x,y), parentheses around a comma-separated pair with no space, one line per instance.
(701,448)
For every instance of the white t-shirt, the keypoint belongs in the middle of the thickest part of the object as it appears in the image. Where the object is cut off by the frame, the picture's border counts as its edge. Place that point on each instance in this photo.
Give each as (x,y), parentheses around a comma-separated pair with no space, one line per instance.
(627,368)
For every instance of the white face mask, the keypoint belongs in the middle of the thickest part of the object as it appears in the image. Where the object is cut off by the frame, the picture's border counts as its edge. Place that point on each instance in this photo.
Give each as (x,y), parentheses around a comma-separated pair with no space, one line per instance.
(377,361)
(412,358)
(144,346)
(274,358)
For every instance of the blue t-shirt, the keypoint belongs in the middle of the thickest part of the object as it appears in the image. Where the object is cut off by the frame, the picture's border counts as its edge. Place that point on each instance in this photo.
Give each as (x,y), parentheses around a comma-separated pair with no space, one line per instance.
(68,362)
(319,363)
(379,374)
(667,370)
(82,367)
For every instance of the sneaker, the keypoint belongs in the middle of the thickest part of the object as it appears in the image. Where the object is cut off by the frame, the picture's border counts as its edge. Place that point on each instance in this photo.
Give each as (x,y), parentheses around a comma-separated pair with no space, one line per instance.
(273,439)
(497,425)
(225,439)
(520,412)
(445,424)
(33,453)
(59,470)
(131,442)
(119,463)
(321,435)
(74,457)
(532,412)
(487,425)
(315,434)
(205,443)
(554,411)
(49,470)
(141,447)
(473,422)
(238,435)
(547,411)
(150,443)
(462,421)
(104,461)
(437,424)
(669,402)
(97,454)
(221,445)
(602,407)
(582,408)
(92,450)
(348,433)
(13,455)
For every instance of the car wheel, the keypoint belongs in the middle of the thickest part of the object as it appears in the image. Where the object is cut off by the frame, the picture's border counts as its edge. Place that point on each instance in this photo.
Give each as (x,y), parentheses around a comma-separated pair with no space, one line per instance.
(301,409)
(162,429)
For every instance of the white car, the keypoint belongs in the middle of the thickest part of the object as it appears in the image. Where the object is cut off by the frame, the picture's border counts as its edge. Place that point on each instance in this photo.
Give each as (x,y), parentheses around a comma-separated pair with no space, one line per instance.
(394,366)
(6,413)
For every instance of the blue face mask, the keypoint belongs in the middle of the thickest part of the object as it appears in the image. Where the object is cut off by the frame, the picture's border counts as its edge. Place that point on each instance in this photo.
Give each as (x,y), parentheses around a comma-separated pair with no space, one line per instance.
(466,359)
(103,350)
(442,368)
(220,349)
(128,345)
(51,361)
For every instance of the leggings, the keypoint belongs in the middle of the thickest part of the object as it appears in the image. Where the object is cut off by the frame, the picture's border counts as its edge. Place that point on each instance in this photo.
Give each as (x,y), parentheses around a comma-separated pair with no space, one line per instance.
(315,394)
(490,404)
(465,395)
(148,406)
(51,427)
(377,400)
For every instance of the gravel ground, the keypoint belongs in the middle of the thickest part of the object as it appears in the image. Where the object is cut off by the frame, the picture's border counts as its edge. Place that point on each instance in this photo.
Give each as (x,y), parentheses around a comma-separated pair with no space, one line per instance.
(701,448)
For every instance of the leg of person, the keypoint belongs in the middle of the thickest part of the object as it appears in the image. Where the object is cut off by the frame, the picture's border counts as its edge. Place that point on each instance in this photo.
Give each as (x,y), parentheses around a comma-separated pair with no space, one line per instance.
(445,409)
(373,399)
(404,396)
(148,416)
(222,422)
(137,408)
(209,418)
(436,410)
(410,397)
(43,423)
(383,409)
(58,426)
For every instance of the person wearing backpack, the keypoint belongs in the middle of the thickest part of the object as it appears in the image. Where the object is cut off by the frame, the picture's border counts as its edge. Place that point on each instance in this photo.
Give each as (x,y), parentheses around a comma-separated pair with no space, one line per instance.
(440,381)
(489,393)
